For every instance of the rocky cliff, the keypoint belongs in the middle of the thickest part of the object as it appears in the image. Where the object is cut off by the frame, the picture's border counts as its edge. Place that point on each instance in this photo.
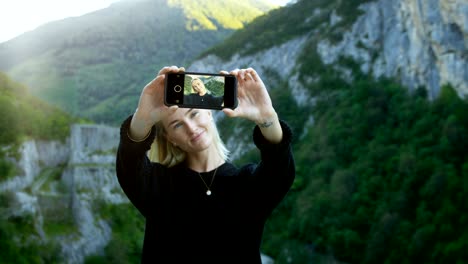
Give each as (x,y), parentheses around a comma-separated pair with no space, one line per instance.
(419,42)
(423,43)
(59,184)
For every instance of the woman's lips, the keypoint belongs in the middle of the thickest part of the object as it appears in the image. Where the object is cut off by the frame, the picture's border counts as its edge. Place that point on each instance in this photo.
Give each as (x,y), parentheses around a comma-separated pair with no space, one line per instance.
(198,136)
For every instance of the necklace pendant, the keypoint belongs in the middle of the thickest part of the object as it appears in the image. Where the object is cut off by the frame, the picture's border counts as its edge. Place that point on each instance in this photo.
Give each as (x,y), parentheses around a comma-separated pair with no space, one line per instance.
(208,191)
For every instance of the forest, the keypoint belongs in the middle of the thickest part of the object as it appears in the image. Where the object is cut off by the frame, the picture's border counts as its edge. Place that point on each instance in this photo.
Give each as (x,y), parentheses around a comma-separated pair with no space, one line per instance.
(382,178)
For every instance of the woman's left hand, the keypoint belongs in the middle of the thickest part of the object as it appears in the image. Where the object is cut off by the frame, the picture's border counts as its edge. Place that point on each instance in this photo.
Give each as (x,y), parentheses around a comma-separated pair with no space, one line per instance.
(254,102)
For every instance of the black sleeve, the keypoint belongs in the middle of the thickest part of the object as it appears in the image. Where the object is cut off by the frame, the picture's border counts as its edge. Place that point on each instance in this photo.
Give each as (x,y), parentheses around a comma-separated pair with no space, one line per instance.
(274,175)
(219,100)
(133,167)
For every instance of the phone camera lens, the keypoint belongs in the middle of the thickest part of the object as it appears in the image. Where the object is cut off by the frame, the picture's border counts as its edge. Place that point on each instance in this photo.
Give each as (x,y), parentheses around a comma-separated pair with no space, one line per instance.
(177,88)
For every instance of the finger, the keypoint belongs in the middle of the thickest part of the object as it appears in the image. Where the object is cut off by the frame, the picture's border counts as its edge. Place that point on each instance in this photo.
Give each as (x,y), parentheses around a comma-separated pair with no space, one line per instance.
(164,70)
(152,84)
(172,109)
(235,72)
(254,74)
(159,79)
(167,111)
(248,76)
(229,112)
(168,69)
(242,74)
(174,69)
(224,72)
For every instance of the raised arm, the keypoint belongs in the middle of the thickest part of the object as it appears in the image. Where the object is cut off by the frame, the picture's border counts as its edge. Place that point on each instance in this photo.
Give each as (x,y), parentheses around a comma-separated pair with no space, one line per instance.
(255,104)
(132,164)
(151,107)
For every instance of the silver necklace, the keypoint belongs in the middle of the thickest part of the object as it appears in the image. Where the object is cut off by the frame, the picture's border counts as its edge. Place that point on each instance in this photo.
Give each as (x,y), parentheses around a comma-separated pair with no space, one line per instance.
(208,188)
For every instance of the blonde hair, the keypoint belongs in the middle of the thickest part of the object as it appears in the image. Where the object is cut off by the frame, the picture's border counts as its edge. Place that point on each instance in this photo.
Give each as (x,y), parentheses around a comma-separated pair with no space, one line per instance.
(164,152)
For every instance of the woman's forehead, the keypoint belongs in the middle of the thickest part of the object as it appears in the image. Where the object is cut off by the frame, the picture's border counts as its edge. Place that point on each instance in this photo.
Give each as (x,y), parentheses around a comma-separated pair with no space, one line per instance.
(177,114)
(181,113)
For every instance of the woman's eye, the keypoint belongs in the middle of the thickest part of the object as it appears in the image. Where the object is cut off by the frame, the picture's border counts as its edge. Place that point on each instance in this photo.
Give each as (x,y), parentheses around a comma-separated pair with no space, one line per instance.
(195,113)
(177,125)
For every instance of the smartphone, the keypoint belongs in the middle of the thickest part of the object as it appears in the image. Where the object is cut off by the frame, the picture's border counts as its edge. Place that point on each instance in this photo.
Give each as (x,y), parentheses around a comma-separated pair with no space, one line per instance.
(201,90)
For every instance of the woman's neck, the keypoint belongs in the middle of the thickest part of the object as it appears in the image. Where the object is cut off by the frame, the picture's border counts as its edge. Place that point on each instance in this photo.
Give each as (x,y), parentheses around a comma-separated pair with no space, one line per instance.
(204,161)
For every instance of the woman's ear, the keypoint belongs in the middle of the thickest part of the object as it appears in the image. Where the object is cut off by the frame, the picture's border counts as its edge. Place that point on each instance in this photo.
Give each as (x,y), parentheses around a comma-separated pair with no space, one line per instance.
(166,136)
(169,140)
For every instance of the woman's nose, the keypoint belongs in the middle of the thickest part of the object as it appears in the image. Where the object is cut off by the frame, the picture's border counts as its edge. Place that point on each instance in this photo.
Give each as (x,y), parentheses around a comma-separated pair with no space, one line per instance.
(191,127)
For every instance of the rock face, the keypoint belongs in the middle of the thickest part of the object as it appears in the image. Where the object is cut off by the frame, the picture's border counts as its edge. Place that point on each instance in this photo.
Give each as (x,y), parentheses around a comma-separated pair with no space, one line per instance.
(90,177)
(280,59)
(419,42)
(34,155)
(65,181)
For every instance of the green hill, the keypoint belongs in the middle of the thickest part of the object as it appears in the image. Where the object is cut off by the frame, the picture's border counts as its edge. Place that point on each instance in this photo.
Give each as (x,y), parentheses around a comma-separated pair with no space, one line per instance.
(382,172)
(95,65)
(299,19)
(23,116)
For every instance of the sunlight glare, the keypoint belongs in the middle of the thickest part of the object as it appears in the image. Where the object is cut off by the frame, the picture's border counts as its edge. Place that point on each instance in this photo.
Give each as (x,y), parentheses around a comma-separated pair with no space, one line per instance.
(19,16)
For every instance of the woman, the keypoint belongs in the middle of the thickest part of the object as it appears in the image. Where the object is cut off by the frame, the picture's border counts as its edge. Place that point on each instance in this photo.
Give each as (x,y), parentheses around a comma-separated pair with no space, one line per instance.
(198,87)
(200,95)
(200,208)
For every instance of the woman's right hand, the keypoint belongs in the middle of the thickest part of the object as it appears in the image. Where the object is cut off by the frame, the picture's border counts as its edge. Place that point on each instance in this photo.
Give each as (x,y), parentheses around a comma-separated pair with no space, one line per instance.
(151,107)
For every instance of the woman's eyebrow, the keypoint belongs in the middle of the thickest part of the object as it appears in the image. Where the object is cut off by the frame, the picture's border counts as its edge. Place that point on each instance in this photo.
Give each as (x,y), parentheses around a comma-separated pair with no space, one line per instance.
(177,120)
(188,112)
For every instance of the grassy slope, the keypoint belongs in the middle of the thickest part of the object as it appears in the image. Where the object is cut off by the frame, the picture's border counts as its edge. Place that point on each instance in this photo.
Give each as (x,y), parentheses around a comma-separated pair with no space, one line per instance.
(24,116)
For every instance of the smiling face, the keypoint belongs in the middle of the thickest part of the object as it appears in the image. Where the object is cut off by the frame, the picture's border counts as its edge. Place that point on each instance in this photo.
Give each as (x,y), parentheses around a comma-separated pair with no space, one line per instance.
(198,86)
(190,129)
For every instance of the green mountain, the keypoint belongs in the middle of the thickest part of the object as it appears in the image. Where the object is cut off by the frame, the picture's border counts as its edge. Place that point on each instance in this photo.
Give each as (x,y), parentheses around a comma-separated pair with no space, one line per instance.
(380,132)
(302,18)
(23,116)
(95,65)
(380,136)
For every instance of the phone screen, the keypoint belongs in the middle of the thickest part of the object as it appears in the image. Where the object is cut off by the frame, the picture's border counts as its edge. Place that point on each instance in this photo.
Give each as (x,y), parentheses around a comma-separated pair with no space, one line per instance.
(201,90)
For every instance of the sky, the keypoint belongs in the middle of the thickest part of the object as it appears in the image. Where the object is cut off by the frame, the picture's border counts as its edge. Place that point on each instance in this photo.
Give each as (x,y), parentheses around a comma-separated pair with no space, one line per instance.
(20,16)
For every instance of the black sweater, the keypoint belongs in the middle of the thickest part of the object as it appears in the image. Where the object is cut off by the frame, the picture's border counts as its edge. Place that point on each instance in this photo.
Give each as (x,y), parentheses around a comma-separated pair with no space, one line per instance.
(183,224)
